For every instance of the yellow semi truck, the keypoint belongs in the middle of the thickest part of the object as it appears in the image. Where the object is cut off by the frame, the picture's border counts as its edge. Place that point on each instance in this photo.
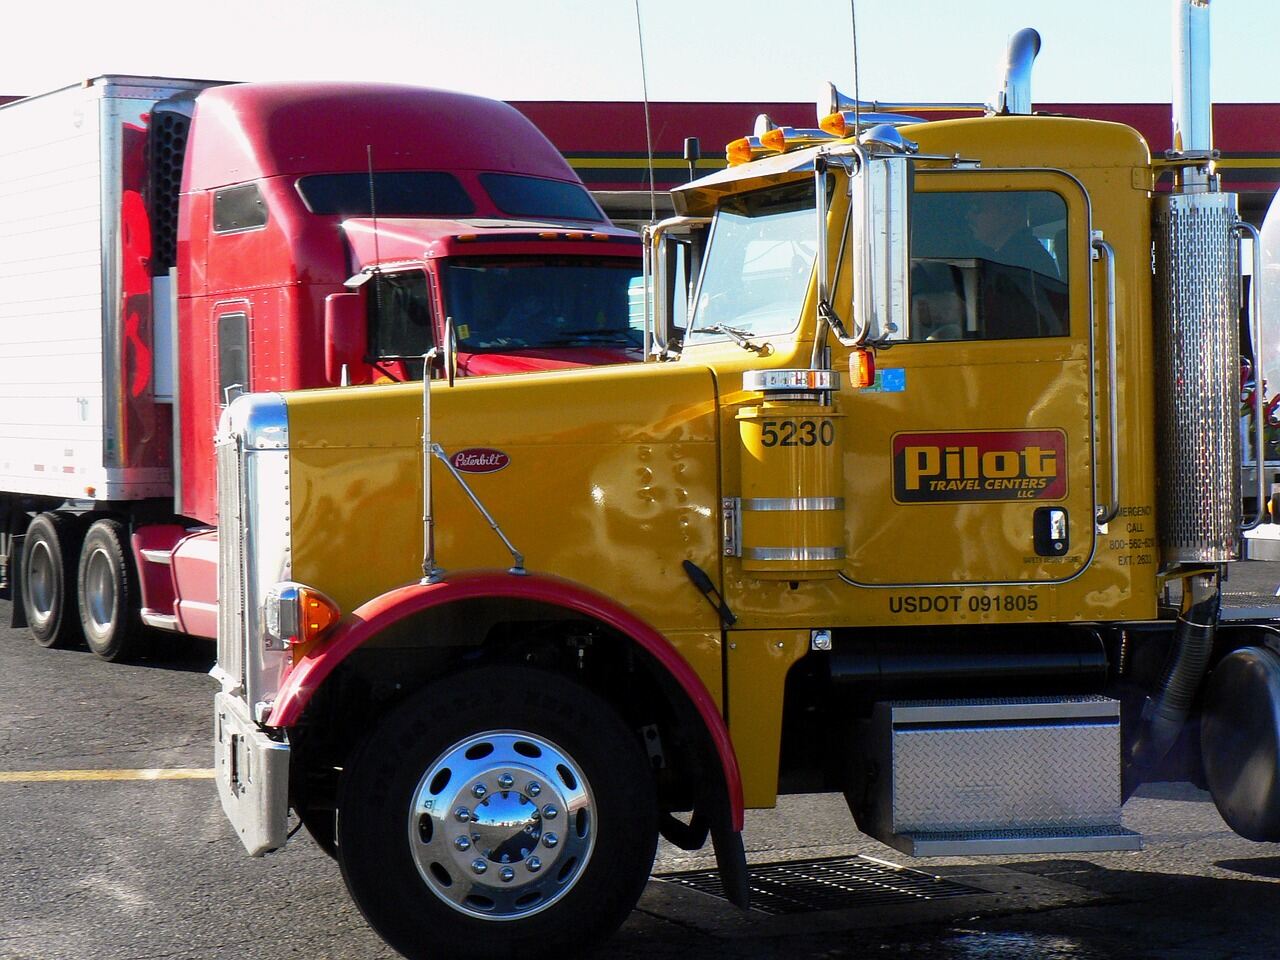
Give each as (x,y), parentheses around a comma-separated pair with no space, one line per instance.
(925,496)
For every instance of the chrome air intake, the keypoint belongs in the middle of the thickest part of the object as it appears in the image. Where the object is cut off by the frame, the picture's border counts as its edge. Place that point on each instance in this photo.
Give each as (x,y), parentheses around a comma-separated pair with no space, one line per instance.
(1014,95)
(1198,362)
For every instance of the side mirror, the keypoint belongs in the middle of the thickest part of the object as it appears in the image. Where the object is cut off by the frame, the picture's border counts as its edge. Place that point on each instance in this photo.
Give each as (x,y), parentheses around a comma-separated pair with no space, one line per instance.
(880,183)
(881,231)
(346,333)
(673,257)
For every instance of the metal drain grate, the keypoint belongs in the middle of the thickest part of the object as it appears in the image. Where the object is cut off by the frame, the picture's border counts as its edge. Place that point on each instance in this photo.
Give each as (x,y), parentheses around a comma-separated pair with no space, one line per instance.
(833,883)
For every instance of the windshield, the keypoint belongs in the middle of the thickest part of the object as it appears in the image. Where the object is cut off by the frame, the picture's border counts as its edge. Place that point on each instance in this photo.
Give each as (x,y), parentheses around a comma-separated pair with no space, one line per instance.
(758,263)
(513,303)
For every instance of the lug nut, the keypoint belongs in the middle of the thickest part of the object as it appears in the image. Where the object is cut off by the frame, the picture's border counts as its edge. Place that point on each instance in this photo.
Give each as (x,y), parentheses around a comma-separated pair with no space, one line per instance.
(462,815)
(505,781)
(533,864)
(479,790)
(534,788)
(478,865)
(507,874)
(549,840)
(550,812)
(462,843)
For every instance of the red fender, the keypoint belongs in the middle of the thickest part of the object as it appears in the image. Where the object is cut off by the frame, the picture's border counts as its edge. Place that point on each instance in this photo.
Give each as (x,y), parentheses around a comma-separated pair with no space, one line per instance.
(381,612)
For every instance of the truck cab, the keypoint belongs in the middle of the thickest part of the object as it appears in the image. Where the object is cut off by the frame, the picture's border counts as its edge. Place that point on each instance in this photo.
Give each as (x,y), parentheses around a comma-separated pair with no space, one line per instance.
(214,239)
(925,497)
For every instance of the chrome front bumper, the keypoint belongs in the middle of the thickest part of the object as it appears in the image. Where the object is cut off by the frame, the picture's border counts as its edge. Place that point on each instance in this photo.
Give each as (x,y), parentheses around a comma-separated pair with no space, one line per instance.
(253,777)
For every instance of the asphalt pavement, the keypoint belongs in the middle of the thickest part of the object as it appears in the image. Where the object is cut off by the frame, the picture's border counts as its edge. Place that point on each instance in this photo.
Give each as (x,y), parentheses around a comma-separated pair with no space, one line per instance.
(113,847)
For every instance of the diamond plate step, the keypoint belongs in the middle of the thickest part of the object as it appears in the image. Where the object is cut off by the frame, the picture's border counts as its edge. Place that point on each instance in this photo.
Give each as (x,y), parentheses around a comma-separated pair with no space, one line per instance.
(971,843)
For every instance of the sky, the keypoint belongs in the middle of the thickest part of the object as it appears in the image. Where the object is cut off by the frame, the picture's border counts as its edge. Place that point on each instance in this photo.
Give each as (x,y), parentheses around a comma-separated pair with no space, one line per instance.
(716,50)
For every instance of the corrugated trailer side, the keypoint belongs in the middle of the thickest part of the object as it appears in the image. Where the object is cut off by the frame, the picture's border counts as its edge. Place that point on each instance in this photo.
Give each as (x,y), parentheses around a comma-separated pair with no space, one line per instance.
(79,418)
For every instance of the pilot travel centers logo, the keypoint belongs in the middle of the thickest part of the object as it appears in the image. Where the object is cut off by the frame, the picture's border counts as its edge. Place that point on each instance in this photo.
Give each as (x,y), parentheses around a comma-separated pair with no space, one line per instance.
(966,466)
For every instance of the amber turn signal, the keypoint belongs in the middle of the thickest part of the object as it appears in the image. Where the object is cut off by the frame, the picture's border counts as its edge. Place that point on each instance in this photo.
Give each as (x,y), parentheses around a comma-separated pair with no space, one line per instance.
(862,369)
(295,614)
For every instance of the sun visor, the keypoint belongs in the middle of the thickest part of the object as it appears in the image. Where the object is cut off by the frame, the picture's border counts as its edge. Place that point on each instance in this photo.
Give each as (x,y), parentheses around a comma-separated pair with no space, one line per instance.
(699,198)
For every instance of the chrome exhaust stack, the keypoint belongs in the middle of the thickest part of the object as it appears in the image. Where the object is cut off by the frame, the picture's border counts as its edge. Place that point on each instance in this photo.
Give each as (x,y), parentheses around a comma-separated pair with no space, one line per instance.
(1014,96)
(1197,296)
(1192,104)
(1196,231)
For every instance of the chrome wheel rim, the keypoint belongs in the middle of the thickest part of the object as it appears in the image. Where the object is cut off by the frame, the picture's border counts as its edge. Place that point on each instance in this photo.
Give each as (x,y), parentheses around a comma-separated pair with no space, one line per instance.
(100,590)
(502,825)
(42,576)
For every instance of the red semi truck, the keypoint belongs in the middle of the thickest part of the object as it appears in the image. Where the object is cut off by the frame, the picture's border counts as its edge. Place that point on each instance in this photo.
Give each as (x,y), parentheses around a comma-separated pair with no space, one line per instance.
(168,244)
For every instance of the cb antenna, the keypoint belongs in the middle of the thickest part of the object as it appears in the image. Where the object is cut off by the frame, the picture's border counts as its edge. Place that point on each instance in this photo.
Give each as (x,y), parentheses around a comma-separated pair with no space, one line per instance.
(857,97)
(648,129)
(377,253)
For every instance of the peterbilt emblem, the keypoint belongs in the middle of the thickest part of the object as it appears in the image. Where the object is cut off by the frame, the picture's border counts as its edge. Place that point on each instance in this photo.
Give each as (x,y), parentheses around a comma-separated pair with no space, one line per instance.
(479,460)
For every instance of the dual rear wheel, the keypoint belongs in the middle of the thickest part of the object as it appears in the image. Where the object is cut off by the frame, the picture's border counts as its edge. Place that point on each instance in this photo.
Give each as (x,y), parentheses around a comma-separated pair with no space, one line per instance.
(80,583)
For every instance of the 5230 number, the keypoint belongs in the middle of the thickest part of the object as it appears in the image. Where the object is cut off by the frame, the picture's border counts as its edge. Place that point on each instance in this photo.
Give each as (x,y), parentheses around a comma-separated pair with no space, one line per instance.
(797,433)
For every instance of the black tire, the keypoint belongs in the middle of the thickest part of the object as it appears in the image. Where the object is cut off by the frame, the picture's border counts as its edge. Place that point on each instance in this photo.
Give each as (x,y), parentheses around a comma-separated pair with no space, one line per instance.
(107,593)
(398,813)
(49,555)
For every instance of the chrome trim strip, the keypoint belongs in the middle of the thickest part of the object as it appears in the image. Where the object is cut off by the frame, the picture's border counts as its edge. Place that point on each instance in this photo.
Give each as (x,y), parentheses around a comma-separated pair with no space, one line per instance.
(160,621)
(152,555)
(175,359)
(777,504)
(110,199)
(794,553)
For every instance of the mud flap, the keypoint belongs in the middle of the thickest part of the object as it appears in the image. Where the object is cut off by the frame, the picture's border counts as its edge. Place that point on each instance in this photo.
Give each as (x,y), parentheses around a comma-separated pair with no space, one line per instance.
(731,862)
(12,588)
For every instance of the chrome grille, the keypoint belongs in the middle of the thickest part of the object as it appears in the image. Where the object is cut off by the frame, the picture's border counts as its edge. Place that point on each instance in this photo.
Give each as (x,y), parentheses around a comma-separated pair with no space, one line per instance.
(1198,366)
(230,561)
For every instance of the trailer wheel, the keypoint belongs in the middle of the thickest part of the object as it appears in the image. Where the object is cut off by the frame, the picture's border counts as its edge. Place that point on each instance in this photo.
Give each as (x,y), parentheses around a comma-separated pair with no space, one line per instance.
(48,579)
(107,588)
(501,812)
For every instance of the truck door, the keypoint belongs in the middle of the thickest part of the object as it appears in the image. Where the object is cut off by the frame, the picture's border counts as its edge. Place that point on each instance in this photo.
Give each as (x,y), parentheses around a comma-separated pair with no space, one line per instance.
(973,456)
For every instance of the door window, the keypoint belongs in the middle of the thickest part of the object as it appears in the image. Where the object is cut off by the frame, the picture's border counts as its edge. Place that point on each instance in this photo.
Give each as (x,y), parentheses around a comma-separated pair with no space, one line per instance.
(989,265)
(233,356)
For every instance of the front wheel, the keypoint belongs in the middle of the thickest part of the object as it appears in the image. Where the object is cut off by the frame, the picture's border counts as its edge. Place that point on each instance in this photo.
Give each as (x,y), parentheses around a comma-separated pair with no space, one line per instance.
(501,812)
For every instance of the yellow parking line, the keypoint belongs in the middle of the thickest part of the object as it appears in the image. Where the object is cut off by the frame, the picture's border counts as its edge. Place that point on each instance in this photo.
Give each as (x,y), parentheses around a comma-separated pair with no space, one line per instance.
(57,776)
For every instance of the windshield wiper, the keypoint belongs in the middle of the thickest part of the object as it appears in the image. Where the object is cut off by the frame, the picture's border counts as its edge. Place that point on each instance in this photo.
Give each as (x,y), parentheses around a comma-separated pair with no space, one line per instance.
(594,336)
(733,333)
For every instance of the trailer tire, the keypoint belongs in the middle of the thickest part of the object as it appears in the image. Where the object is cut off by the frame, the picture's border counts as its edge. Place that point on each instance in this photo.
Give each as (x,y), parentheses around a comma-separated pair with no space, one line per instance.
(107,593)
(560,828)
(48,579)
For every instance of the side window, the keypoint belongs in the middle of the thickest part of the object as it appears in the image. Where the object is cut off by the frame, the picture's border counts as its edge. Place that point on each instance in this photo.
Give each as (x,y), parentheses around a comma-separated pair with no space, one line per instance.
(238,208)
(233,356)
(988,266)
(400,315)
